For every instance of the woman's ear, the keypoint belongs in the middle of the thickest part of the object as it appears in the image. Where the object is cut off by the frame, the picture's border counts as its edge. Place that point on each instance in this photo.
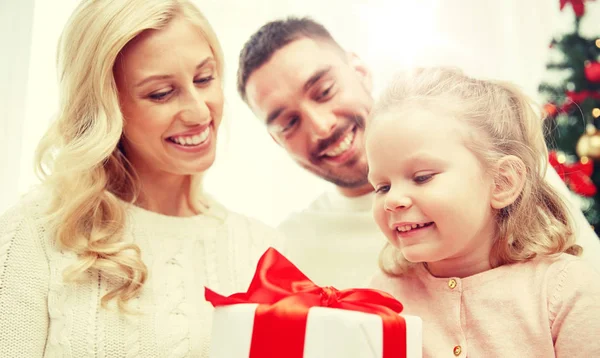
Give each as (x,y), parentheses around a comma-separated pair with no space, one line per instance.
(508,182)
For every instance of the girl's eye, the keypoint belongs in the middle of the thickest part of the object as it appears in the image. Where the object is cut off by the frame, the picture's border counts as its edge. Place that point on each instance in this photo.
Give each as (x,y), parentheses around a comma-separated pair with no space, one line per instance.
(421,179)
(382,189)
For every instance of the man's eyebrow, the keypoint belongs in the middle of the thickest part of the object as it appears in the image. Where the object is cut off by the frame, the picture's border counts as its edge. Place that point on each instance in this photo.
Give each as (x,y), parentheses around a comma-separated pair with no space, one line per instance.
(273,115)
(315,78)
(309,83)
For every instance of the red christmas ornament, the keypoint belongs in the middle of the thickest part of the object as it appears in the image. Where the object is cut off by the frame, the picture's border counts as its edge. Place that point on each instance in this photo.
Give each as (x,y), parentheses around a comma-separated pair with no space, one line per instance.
(576,175)
(567,106)
(578,6)
(592,72)
(580,96)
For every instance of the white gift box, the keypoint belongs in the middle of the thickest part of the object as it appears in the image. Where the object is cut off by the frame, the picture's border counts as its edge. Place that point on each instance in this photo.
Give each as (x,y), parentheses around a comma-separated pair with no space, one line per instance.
(330,333)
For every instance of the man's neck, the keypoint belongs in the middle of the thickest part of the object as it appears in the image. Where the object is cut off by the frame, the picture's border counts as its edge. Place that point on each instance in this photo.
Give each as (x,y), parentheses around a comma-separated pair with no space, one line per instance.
(354,192)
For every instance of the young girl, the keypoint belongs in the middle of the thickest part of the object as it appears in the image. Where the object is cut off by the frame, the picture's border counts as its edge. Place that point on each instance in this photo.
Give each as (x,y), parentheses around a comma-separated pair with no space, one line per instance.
(480,246)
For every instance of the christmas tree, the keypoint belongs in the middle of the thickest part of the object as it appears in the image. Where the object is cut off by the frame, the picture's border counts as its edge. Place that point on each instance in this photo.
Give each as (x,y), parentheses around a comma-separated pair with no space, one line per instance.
(573,112)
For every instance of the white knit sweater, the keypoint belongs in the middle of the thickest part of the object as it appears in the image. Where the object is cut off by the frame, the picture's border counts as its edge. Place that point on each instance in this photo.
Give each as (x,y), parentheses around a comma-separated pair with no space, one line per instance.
(42,316)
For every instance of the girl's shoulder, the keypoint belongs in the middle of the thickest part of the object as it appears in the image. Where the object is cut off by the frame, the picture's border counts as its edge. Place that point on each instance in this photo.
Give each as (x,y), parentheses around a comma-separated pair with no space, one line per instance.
(567,274)
(553,266)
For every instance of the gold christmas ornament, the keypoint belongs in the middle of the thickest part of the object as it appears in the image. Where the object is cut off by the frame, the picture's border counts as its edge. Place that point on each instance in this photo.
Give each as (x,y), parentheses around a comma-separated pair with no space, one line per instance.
(596,112)
(584,160)
(589,144)
(561,158)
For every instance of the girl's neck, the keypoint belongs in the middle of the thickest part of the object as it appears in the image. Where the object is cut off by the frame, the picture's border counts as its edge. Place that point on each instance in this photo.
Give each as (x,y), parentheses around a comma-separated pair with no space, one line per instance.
(451,269)
(465,264)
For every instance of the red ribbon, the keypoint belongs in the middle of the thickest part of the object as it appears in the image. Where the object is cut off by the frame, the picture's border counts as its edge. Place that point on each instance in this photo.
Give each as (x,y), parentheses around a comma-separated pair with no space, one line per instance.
(576,175)
(285,295)
(578,6)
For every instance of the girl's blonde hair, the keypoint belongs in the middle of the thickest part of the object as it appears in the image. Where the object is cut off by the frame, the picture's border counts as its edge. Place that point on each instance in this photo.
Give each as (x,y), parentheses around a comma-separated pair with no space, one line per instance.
(503,123)
(80,158)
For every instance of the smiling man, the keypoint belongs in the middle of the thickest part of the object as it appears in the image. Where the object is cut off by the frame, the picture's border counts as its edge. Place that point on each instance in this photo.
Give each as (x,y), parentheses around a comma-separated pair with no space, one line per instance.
(314,98)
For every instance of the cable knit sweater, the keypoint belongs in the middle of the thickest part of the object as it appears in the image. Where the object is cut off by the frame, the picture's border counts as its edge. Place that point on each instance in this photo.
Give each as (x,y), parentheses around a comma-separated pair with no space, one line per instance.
(42,316)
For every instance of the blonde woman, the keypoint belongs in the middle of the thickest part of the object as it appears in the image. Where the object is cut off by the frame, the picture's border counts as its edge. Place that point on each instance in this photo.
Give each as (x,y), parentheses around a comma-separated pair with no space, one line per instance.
(109,258)
(484,247)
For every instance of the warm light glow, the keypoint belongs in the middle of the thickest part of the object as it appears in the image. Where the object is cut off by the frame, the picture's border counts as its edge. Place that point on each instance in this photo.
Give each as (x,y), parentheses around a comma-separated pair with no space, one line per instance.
(561,158)
(385,21)
(596,112)
(598,43)
(584,160)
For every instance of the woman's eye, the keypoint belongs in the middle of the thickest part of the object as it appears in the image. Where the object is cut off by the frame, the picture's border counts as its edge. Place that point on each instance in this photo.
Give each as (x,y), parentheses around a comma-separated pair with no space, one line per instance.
(204,80)
(158,96)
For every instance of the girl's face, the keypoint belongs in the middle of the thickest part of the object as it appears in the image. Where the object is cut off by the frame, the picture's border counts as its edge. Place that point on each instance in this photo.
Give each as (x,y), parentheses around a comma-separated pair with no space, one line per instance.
(433,196)
(171,97)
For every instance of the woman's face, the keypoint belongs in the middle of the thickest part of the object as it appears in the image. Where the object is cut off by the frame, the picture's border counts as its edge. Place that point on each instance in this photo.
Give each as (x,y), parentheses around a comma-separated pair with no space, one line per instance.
(171,97)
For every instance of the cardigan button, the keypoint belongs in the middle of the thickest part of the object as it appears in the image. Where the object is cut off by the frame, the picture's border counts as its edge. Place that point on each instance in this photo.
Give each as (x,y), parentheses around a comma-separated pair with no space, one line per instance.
(457,351)
(452,283)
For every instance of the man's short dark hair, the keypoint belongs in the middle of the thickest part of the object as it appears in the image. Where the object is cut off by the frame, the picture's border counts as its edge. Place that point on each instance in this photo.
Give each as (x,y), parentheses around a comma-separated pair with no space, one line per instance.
(270,38)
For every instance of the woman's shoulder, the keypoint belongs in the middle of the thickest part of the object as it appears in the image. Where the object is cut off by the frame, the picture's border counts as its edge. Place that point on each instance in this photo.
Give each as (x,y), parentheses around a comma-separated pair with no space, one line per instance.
(29,210)
(23,230)
(252,224)
(255,229)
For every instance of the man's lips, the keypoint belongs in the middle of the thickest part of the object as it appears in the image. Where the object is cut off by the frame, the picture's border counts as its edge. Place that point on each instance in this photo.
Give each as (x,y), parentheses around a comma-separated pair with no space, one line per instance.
(334,141)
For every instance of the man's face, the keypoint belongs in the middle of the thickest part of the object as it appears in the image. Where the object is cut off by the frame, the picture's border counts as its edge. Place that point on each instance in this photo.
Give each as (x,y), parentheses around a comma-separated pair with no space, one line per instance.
(314,100)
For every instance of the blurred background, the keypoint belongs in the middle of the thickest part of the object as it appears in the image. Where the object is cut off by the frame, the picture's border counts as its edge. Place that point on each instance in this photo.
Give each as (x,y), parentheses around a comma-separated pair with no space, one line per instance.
(509,39)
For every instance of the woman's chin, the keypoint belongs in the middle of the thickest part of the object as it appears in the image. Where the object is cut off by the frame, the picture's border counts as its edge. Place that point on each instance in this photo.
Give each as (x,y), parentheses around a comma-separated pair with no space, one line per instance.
(195,166)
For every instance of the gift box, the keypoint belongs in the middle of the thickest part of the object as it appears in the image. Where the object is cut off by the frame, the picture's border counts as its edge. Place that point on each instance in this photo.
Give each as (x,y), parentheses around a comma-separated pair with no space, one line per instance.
(285,315)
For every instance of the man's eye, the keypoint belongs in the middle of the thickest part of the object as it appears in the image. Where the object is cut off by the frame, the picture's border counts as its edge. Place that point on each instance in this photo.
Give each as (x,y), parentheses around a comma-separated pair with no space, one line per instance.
(325,94)
(291,122)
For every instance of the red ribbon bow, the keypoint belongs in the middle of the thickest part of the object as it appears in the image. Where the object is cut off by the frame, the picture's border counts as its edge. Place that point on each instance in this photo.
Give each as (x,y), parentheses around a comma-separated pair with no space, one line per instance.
(576,175)
(578,6)
(285,294)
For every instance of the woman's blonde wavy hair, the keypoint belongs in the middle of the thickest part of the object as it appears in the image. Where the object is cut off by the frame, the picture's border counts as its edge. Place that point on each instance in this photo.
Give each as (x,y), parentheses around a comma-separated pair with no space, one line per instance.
(80,158)
(503,122)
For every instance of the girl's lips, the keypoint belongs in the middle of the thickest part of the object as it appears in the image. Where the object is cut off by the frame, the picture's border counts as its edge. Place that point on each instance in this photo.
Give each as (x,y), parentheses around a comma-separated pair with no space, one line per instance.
(416,232)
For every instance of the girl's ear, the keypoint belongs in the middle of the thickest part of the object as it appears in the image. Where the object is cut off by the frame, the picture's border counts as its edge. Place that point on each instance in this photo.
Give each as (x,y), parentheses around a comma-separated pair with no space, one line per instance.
(508,181)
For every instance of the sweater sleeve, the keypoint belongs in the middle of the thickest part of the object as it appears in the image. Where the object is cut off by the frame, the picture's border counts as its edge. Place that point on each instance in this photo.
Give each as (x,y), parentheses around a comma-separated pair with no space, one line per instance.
(574,306)
(24,280)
